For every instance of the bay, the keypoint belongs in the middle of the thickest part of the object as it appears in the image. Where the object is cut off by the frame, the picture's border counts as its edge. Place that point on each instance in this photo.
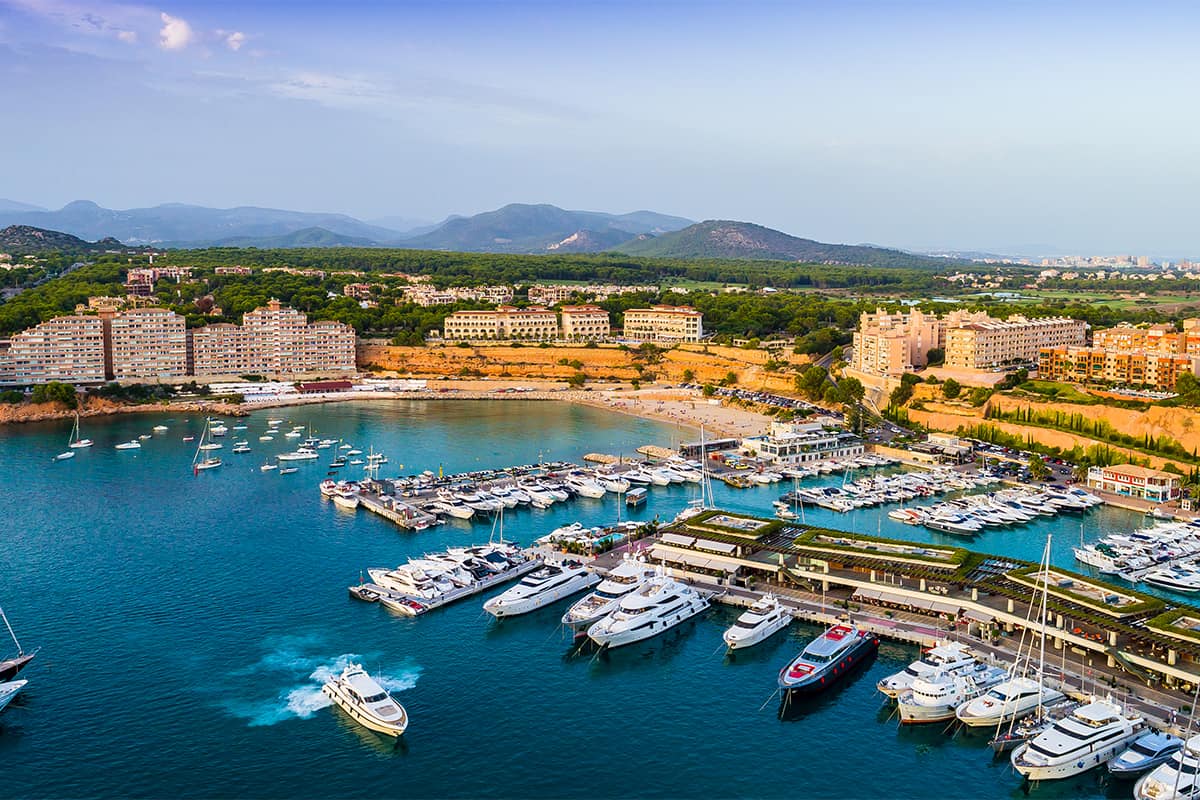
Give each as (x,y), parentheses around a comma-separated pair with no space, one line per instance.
(187,622)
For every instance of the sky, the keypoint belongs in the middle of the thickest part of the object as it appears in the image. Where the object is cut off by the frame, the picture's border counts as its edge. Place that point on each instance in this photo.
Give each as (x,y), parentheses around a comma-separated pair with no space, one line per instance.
(1005,127)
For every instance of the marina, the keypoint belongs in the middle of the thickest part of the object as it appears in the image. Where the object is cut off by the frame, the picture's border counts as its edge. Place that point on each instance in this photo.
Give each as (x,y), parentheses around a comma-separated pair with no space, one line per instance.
(267,695)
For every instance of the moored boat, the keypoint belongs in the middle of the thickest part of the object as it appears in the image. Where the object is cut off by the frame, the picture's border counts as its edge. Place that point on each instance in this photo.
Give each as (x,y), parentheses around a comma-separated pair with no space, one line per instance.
(827,659)
(762,620)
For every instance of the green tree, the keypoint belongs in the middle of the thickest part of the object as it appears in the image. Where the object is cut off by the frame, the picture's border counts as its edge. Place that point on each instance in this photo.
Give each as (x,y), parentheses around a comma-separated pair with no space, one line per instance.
(708,390)
(951,389)
(689,376)
(851,391)
(1037,468)
(55,392)
(935,357)
(576,380)
(811,382)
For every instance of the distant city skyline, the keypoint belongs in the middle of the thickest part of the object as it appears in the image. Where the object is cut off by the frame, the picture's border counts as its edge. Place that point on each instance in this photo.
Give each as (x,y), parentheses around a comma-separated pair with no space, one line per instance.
(1013,129)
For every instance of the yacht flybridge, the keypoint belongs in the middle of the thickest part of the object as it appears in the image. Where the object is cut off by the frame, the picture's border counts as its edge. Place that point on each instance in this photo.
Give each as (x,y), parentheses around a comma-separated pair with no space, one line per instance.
(542,587)
(625,578)
(759,622)
(952,657)
(368,703)
(933,697)
(658,605)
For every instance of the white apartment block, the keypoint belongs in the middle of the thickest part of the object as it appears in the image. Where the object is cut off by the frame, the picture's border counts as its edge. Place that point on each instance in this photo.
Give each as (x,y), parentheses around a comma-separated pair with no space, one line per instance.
(983,344)
(584,322)
(68,349)
(147,343)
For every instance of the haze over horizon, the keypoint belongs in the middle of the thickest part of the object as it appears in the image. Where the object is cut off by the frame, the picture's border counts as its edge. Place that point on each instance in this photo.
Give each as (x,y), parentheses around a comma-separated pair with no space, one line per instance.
(910,126)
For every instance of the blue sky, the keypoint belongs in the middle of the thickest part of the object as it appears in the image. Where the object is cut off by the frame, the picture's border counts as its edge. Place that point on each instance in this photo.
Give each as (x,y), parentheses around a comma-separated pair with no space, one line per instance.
(908,124)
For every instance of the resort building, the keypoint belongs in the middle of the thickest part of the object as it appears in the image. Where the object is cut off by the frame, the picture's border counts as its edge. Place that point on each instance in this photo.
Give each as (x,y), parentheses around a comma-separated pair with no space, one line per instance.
(983,344)
(68,349)
(1117,367)
(504,322)
(273,340)
(664,324)
(584,323)
(552,295)
(797,443)
(1134,481)
(146,343)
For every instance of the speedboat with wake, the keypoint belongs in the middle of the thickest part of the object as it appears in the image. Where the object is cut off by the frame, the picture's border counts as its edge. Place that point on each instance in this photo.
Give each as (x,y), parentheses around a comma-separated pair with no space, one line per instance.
(762,620)
(660,604)
(827,659)
(368,703)
(543,586)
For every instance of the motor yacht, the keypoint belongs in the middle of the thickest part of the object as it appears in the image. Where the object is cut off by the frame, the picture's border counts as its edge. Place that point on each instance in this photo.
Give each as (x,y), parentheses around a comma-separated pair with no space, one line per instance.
(637,476)
(268,467)
(556,490)
(953,523)
(452,507)
(1014,698)
(762,620)
(1177,579)
(368,703)
(1177,779)
(654,608)
(543,586)
(132,444)
(9,691)
(300,454)
(347,498)
(952,657)
(827,659)
(1145,753)
(626,577)
(934,697)
(409,580)
(584,486)
(612,483)
(1092,735)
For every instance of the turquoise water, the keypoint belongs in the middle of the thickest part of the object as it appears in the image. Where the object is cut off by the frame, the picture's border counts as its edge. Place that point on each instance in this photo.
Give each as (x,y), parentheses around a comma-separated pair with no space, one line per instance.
(187,621)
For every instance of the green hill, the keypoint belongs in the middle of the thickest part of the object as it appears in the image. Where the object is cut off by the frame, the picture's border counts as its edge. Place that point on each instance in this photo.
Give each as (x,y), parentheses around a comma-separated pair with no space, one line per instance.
(22,239)
(726,239)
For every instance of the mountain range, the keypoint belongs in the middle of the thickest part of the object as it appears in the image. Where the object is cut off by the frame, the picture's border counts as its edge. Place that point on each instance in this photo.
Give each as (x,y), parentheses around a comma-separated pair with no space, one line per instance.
(516,228)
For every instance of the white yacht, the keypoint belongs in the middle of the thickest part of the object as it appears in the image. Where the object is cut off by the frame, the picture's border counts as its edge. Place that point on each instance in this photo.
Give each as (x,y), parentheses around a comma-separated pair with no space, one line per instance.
(542,587)
(585,486)
(1175,578)
(413,581)
(132,444)
(1148,751)
(1178,779)
(934,697)
(9,690)
(451,507)
(1007,701)
(759,622)
(1092,735)
(612,483)
(626,577)
(300,454)
(658,605)
(952,657)
(361,696)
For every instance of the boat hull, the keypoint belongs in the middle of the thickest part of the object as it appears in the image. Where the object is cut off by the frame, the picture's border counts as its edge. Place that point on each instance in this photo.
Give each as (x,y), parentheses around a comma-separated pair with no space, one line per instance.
(10,667)
(524,605)
(1074,765)
(628,636)
(338,695)
(757,636)
(817,682)
(9,691)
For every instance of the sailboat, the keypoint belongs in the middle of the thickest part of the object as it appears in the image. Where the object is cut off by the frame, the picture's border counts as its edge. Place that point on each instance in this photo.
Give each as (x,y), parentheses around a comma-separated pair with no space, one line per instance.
(75,442)
(705,502)
(208,462)
(9,667)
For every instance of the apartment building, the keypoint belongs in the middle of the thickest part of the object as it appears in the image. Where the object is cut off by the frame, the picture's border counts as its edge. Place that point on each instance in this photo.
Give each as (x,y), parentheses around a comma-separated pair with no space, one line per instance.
(664,324)
(584,323)
(892,344)
(552,295)
(68,349)
(983,344)
(505,322)
(146,343)
(1116,367)
(234,271)
(273,339)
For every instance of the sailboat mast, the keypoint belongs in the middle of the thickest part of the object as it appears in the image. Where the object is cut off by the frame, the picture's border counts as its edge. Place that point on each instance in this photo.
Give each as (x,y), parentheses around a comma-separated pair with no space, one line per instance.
(20,650)
(1045,597)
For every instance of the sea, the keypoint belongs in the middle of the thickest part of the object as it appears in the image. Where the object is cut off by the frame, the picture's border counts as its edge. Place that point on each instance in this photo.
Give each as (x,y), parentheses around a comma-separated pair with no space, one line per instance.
(186,622)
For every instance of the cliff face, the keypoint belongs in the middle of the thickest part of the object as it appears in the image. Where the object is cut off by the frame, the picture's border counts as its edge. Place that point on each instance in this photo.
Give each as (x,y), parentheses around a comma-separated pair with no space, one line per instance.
(98,407)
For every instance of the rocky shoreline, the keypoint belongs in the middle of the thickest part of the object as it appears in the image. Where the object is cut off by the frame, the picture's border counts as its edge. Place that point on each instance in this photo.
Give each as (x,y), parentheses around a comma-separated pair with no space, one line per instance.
(98,407)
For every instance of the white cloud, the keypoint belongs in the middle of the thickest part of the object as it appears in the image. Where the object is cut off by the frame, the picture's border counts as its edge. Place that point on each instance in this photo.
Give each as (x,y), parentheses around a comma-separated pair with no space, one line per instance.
(129,37)
(235,40)
(176,33)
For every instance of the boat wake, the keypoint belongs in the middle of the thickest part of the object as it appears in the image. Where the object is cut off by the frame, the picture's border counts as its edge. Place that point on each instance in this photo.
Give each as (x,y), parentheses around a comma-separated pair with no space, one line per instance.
(304,699)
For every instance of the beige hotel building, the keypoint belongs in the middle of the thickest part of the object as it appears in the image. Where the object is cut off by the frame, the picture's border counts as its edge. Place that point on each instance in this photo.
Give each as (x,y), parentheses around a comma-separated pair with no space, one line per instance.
(146,343)
(664,324)
(68,349)
(584,322)
(505,322)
